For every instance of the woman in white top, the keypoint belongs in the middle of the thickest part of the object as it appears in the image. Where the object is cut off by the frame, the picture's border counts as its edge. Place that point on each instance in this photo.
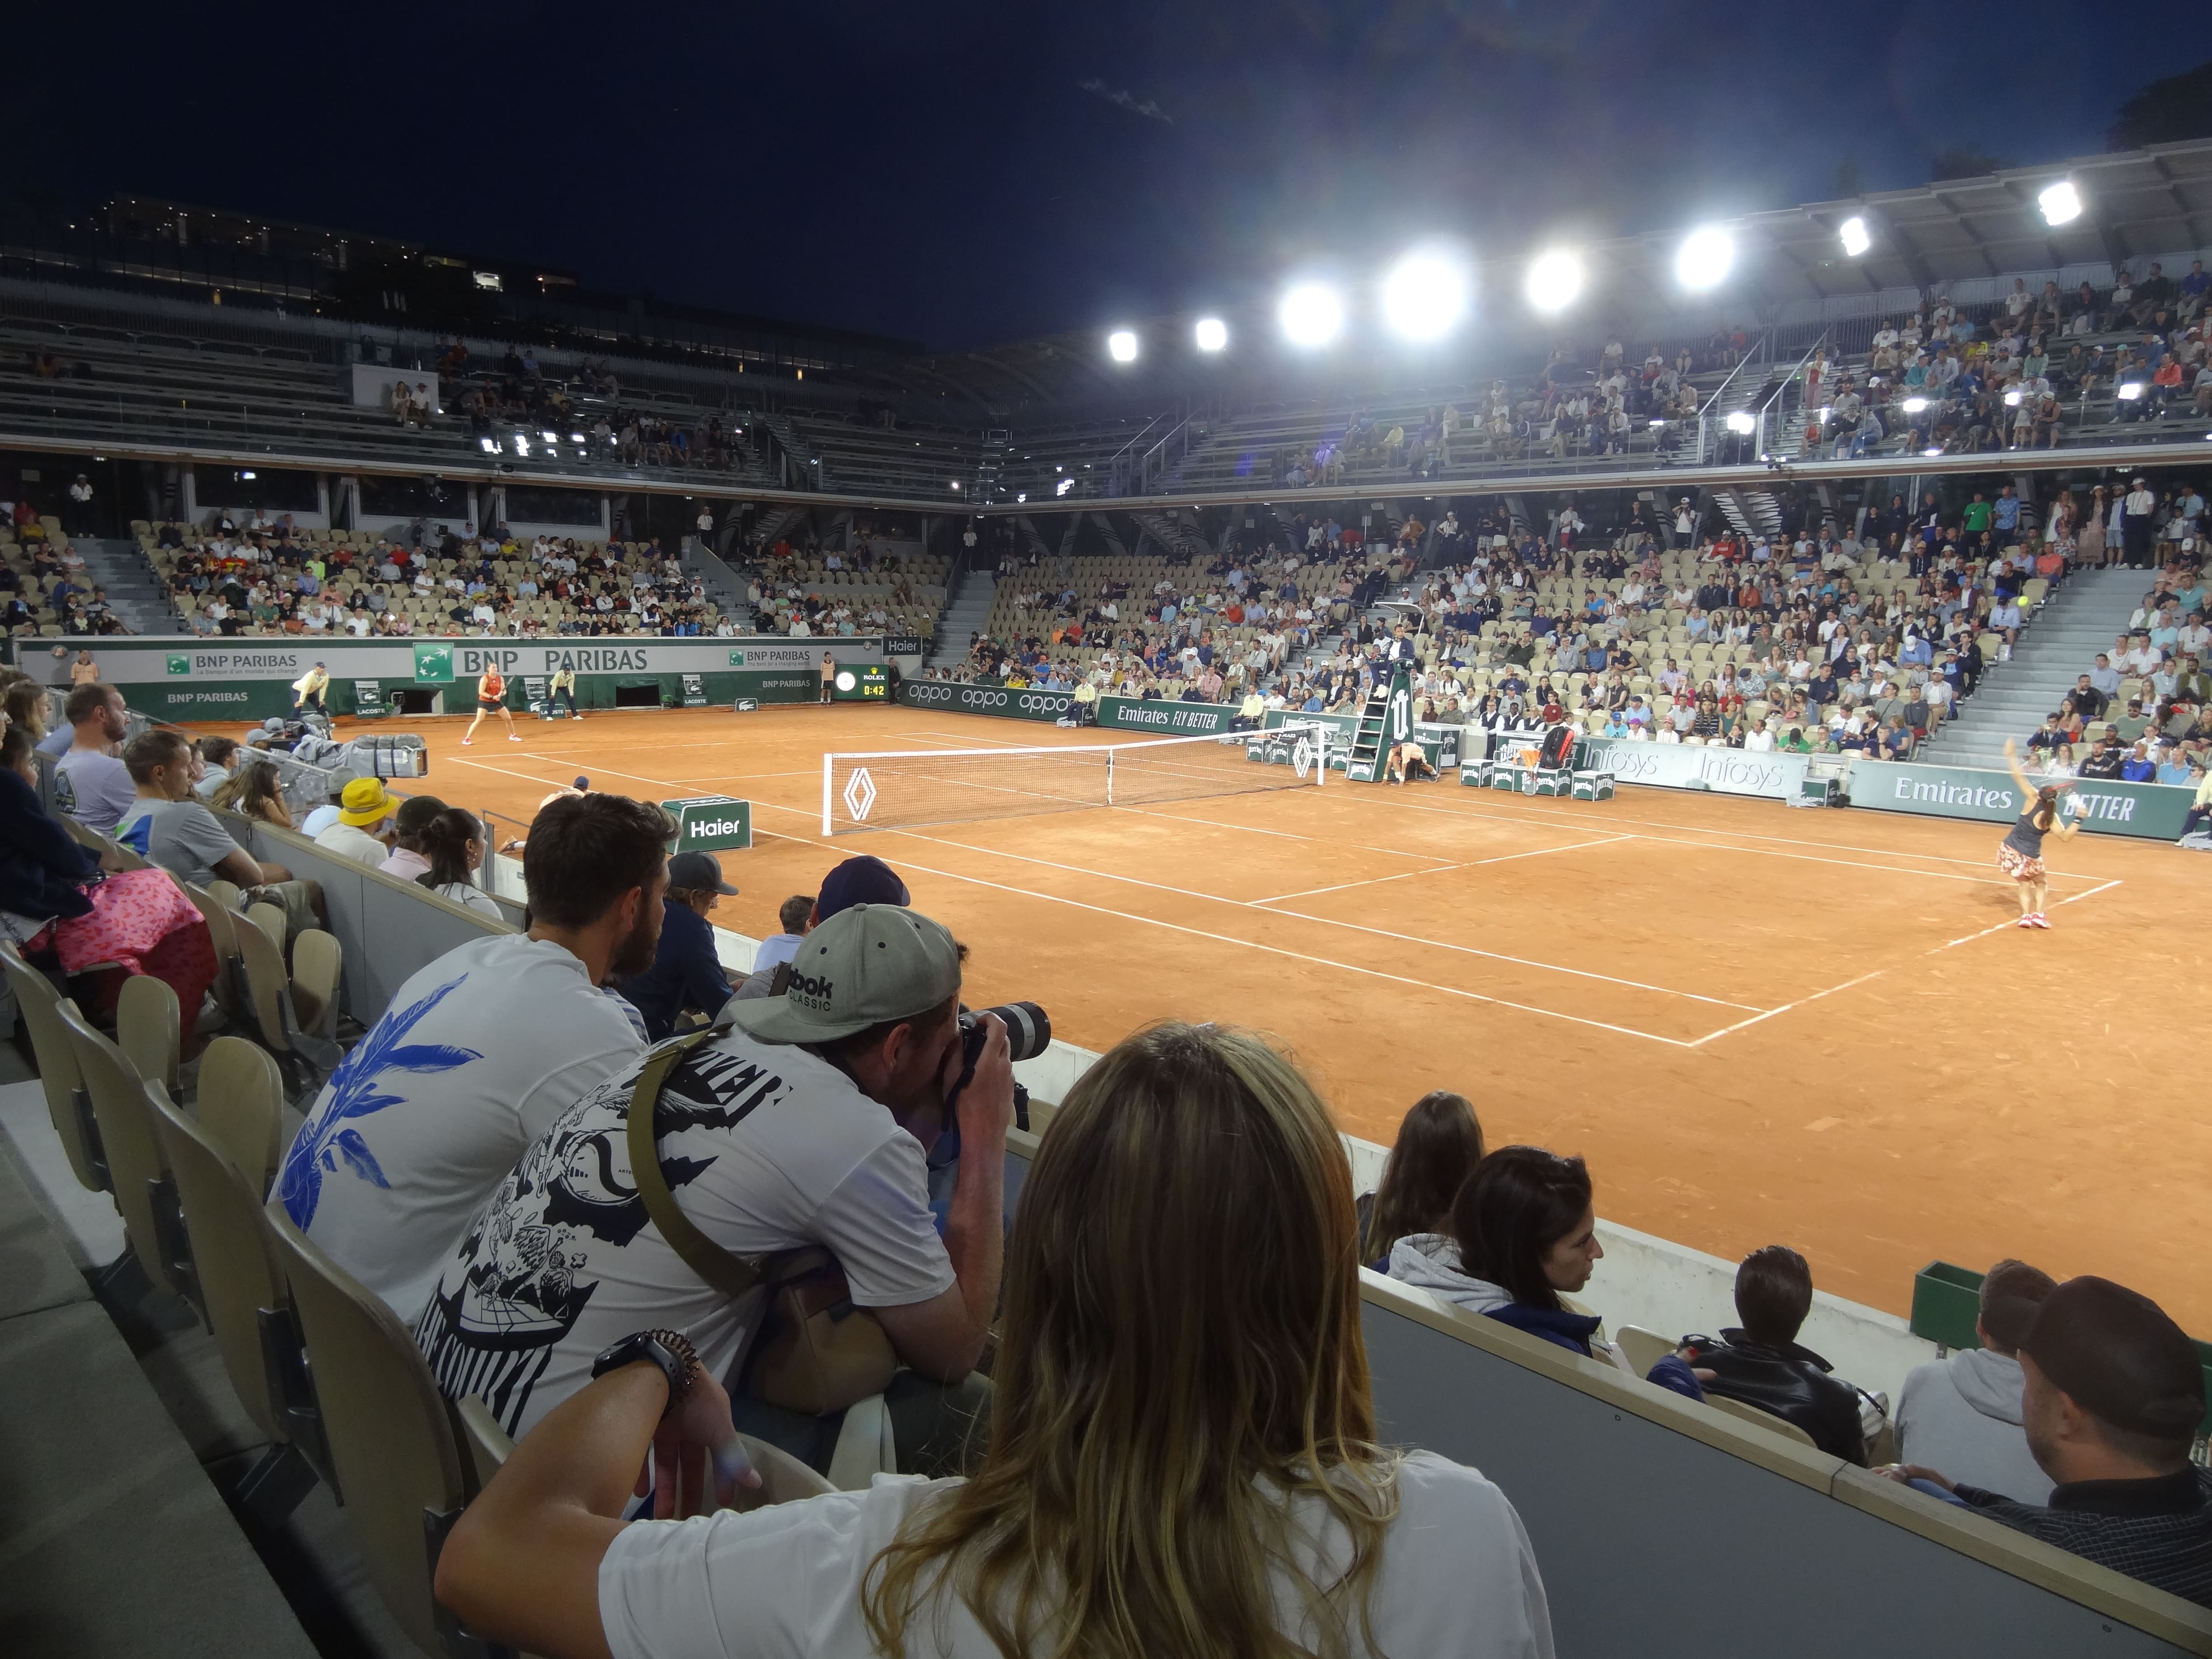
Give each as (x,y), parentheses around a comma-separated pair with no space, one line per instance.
(453,842)
(1180,1336)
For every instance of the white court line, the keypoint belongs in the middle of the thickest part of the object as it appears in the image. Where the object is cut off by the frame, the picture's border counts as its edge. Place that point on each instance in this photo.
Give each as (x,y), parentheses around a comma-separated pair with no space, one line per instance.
(1503,858)
(1964,939)
(1714,847)
(1272,950)
(1706,829)
(1301,915)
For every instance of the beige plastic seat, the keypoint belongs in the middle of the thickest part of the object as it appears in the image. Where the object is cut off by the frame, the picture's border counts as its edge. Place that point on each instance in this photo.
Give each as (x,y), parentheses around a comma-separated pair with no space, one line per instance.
(146,1029)
(392,1441)
(1645,1348)
(143,1192)
(270,918)
(240,1106)
(222,932)
(243,1294)
(318,964)
(1767,1420)
(59,1075)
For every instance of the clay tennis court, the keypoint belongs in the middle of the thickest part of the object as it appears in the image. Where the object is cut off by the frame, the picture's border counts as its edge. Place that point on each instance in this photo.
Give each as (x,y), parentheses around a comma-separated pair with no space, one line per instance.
(1757,1024)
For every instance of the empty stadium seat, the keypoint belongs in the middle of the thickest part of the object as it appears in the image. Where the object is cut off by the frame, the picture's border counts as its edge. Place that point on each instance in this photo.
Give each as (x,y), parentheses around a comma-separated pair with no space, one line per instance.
(143,1192)
(46,1014)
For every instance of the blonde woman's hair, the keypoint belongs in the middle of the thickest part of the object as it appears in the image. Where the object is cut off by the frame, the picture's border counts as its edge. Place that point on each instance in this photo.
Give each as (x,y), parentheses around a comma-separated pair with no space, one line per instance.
(1180,1359)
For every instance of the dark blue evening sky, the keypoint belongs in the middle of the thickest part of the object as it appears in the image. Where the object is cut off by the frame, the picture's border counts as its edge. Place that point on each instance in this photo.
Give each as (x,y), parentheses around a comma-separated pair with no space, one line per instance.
(984,171)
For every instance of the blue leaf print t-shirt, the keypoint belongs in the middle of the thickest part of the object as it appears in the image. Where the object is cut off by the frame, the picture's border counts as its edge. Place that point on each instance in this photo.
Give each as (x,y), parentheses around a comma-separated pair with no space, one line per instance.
(477,1055)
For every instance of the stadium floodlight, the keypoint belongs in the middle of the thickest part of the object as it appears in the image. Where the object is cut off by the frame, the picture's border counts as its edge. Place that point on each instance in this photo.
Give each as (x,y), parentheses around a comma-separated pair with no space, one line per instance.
(1555,280)
(1212,334)
(1914,405)
(2061,203)
(1424,296)
(1855,239)
(1121,345)
(1705,257)
(1741,422)
(1312,314)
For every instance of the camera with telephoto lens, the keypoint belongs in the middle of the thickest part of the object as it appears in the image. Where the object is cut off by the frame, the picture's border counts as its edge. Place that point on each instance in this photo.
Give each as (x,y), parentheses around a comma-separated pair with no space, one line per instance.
(1028,1033)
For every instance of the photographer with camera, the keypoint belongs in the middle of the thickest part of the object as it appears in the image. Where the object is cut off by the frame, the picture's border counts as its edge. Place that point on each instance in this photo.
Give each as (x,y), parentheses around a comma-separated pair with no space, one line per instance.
(674,1198)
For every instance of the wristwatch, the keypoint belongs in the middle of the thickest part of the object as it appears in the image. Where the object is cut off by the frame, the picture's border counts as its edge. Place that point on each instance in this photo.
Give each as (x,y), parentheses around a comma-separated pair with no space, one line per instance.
(669,1350)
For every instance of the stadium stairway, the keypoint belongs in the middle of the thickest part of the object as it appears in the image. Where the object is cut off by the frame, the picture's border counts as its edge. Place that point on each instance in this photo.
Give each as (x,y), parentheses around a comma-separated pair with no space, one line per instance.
(2061,643)
(134,592)
(971,604)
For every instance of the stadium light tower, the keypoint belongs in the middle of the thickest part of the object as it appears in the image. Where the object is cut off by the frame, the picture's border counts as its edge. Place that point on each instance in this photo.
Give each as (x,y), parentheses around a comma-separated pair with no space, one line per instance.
(1555,280)
(1121,345)
(1312,314)
(1855,236)
(1705,257)
(1212,334)
(2061,203)
(1424,296)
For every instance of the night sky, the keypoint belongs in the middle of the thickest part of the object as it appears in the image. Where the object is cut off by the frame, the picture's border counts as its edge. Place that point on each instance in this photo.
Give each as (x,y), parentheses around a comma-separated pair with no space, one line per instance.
(990,171)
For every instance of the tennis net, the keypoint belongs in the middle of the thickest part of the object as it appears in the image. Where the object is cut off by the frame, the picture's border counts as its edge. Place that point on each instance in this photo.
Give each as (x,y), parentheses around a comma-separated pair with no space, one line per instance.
(895,791)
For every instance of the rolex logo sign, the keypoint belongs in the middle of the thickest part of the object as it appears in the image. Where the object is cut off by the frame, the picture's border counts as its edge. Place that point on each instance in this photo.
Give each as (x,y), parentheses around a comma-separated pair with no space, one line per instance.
(711,823)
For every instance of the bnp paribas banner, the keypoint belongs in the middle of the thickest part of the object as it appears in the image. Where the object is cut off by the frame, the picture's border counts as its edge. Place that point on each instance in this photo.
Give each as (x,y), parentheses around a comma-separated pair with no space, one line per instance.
(1772,775)
(2153,811)
(956,697)
(243,678)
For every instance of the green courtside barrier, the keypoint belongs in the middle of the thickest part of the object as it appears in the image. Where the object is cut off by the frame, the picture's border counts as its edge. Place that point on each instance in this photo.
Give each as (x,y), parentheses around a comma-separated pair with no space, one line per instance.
(2153,812)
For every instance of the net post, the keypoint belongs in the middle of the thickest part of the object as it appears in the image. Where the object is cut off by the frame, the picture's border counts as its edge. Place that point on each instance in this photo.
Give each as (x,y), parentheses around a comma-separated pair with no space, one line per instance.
(1110,776)
(1320,756)
(827,829)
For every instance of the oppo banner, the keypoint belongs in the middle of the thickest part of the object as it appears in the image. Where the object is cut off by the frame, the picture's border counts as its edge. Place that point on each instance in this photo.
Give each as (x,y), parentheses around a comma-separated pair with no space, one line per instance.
(1771,775)
(2152,811)
(956,698)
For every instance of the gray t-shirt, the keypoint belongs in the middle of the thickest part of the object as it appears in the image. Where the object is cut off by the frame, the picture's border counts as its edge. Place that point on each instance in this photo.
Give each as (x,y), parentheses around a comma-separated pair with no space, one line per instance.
(94,788)
(182,836)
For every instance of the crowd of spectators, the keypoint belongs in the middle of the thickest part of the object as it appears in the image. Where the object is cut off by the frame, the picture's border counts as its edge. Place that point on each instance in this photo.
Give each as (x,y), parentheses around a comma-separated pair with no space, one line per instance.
(2138,713)
(1854,636)
(44,587)
(252,575)
(874,585)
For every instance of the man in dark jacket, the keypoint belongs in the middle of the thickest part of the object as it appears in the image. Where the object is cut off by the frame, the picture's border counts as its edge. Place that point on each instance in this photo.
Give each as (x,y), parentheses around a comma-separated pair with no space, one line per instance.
(686,973)
(1761,1364)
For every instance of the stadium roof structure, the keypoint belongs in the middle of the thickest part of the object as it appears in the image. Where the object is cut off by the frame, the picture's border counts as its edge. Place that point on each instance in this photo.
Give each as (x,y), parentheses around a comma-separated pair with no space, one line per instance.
(1789,263)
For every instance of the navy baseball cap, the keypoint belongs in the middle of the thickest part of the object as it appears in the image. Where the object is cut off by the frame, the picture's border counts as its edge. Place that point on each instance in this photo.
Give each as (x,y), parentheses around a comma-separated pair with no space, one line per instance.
(863,880)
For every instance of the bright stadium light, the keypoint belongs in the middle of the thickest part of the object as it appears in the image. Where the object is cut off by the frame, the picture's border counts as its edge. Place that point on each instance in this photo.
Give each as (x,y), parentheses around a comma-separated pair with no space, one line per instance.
(1424,296)
(1853,231)
(489,447)
(1914,405)
(1312,314)
(2132,390)
(1740,422)
(1705,257)
(1121,345)
(2061,203)
(1211,333)
(1063,486)
(2011,399)
(1555,280)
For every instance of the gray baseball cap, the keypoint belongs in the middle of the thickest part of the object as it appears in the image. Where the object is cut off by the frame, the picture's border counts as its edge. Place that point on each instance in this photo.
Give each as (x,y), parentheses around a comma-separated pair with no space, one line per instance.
(698,873)
(863,966)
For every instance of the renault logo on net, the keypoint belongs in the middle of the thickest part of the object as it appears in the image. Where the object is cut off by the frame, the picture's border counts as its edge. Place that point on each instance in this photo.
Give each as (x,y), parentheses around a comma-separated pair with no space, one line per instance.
(860,795)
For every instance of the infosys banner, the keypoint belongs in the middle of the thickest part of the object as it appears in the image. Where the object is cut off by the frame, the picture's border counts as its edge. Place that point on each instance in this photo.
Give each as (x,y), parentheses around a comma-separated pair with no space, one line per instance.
(188,679)
(1771,775)
(956,698)
(2152,811)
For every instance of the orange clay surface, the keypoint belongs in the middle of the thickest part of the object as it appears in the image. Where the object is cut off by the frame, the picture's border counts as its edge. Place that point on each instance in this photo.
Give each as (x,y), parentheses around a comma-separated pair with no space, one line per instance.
(1820,1027)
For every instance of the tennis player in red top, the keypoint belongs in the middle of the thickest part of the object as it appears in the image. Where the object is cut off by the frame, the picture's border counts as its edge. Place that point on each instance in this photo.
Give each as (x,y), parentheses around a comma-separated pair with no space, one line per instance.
(491,698)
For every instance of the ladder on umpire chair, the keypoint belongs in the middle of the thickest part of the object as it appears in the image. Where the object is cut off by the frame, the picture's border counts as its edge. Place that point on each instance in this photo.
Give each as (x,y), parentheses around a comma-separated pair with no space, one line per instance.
(1387,718)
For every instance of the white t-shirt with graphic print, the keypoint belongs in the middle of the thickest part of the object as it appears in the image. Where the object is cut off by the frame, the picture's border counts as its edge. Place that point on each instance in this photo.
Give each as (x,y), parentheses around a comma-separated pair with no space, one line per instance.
(765,1147)
(477,1054)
